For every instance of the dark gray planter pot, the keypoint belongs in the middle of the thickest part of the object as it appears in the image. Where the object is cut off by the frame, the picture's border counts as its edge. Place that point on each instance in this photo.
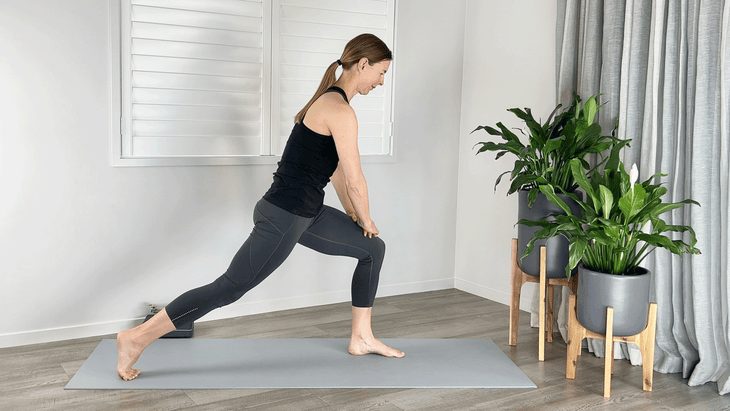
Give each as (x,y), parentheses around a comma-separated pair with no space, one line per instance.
(557,247)
(627,294)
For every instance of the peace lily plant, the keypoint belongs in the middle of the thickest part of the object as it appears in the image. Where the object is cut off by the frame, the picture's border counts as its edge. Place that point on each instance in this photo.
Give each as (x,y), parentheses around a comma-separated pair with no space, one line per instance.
(620,223)
(545,159)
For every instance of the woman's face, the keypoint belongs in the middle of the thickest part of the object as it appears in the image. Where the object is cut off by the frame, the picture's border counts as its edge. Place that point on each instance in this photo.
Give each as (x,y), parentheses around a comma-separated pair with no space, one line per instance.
(372,76)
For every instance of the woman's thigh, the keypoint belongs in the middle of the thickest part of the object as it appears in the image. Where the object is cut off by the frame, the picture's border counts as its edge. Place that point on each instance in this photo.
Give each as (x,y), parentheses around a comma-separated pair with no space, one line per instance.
(333,232)
(274,235)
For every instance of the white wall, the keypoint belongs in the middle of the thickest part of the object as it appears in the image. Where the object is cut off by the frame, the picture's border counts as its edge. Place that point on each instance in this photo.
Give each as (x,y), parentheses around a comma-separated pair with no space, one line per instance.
(509,61)
(85,246)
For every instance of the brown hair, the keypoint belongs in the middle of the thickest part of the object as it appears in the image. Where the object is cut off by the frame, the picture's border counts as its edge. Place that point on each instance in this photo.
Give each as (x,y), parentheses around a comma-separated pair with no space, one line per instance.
(364,45)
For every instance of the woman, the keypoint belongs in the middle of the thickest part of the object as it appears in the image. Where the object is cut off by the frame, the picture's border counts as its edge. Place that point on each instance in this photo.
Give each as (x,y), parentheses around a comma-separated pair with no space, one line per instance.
(322,147)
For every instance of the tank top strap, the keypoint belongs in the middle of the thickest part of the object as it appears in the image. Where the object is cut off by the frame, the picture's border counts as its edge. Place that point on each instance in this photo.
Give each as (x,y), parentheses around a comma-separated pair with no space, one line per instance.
(338,90)
(330,90)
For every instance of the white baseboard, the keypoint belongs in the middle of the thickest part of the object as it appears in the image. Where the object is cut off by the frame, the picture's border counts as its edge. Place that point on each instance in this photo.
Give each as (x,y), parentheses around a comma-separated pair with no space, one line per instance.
(65,333)
(495,295)
(233,310)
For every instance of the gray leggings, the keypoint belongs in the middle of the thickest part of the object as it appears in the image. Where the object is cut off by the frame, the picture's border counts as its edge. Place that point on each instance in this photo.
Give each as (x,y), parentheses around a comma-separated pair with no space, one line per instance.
(274,236)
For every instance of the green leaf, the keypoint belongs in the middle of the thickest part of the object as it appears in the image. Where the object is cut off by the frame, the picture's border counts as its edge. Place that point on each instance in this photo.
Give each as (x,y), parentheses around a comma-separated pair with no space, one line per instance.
(658,226)
(658,240)
(488,129)
(654,192)
(531,223)
(549,192)
(606,201)
(684,248)
(534,126)
(577,248)
(599,147)
(664,207)
(553,144)
(519,165)
(521,181)
(547,123)
(581,178)
(614,158)
(600,236)
(661,227)
(611,228)
(489,146)
(648,180)
(590,109)
(508,135)
(532,196)
(623,179)
(548,230)
(632,201)
(499,179)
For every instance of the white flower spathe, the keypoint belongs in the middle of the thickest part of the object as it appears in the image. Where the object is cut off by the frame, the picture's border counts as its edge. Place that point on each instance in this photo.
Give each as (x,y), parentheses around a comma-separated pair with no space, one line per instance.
(633,175)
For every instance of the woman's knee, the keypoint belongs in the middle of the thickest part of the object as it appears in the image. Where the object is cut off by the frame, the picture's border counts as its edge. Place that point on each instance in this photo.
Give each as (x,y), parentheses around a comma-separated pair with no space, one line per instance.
(377,248)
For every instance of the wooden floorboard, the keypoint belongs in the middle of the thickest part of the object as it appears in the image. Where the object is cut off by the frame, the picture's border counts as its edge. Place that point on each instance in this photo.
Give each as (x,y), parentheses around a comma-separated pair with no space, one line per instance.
(32,377)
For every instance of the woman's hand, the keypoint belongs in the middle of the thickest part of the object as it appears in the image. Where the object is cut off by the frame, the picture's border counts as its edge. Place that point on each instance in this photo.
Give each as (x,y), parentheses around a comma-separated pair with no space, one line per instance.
(368,229)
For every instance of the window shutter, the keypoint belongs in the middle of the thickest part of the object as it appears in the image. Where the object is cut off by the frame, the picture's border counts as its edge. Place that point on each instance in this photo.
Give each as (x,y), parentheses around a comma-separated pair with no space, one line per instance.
(308,35)
(195,72)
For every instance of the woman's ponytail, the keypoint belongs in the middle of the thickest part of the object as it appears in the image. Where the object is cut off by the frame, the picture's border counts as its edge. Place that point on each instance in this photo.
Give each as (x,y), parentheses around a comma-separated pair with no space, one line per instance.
(327,81)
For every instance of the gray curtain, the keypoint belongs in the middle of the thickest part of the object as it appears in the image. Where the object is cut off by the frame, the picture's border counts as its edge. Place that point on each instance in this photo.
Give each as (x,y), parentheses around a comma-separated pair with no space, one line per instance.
(664,69)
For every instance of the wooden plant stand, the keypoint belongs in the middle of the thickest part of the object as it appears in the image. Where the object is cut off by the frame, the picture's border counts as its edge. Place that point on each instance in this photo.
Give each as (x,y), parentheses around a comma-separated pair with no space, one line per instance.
(645,341)
(519,278)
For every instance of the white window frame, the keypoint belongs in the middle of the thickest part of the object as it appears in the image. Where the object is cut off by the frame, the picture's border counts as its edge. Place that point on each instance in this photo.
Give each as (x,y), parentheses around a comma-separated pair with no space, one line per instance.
(118,123)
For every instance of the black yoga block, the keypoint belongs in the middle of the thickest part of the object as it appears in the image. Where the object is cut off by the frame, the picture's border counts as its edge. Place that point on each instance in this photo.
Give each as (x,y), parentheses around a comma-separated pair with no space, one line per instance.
(185,330)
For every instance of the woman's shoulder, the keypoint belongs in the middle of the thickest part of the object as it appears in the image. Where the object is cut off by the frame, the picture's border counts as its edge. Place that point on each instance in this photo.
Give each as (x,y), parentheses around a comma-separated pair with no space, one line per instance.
(333,102)
(329,109)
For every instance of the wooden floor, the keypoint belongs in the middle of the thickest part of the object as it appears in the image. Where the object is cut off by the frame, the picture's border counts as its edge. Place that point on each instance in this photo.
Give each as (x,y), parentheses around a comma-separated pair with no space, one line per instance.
(32,377)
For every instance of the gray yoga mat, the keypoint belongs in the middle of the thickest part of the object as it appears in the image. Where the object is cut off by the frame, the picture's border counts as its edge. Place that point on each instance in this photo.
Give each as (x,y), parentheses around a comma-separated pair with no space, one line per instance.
(303,363)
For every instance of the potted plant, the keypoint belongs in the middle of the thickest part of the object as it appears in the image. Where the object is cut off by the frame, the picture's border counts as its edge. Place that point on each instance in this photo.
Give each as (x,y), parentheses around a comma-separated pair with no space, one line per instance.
(618,226)
(545,159)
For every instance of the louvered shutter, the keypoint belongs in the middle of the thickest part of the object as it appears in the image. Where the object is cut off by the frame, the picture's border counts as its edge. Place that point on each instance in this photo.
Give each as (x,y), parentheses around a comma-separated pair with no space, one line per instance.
(308,35)
(195,72)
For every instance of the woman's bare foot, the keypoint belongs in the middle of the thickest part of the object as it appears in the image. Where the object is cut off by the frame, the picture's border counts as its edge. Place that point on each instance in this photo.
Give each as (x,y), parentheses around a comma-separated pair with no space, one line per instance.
(362,340)
(129,353)
(131,343)
(362,346)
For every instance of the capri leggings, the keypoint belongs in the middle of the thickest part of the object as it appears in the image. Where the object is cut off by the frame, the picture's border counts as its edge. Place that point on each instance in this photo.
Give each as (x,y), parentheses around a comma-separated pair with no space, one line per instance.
(274,236)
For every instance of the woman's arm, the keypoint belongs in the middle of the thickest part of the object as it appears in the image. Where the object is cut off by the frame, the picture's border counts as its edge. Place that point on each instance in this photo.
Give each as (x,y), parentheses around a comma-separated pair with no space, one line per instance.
(343,125)
(338,181)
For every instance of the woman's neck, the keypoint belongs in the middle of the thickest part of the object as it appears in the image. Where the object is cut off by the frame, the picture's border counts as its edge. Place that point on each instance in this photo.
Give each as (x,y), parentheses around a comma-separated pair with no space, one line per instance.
(347,84)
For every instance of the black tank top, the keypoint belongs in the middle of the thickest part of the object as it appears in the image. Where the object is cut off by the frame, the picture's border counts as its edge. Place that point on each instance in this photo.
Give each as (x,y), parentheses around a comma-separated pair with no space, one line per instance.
(308,162)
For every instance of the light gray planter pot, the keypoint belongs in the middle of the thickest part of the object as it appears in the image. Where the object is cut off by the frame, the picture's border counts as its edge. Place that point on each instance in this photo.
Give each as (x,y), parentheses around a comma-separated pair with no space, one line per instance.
(557,247)
(627,294)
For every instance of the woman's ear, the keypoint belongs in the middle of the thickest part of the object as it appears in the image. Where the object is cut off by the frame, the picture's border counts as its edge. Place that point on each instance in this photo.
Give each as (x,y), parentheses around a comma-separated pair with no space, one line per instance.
(362,63)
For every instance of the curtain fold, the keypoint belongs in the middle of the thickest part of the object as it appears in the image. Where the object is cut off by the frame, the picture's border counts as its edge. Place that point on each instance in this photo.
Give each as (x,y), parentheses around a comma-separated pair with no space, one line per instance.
(663,68)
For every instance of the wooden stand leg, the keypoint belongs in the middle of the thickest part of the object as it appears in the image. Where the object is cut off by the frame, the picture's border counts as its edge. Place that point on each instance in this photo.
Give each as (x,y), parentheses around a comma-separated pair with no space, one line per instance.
(543,281)
(573,283)
(647,338)
(546,300)
(608,364)
(514,304)
(575,340)
(550,303)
